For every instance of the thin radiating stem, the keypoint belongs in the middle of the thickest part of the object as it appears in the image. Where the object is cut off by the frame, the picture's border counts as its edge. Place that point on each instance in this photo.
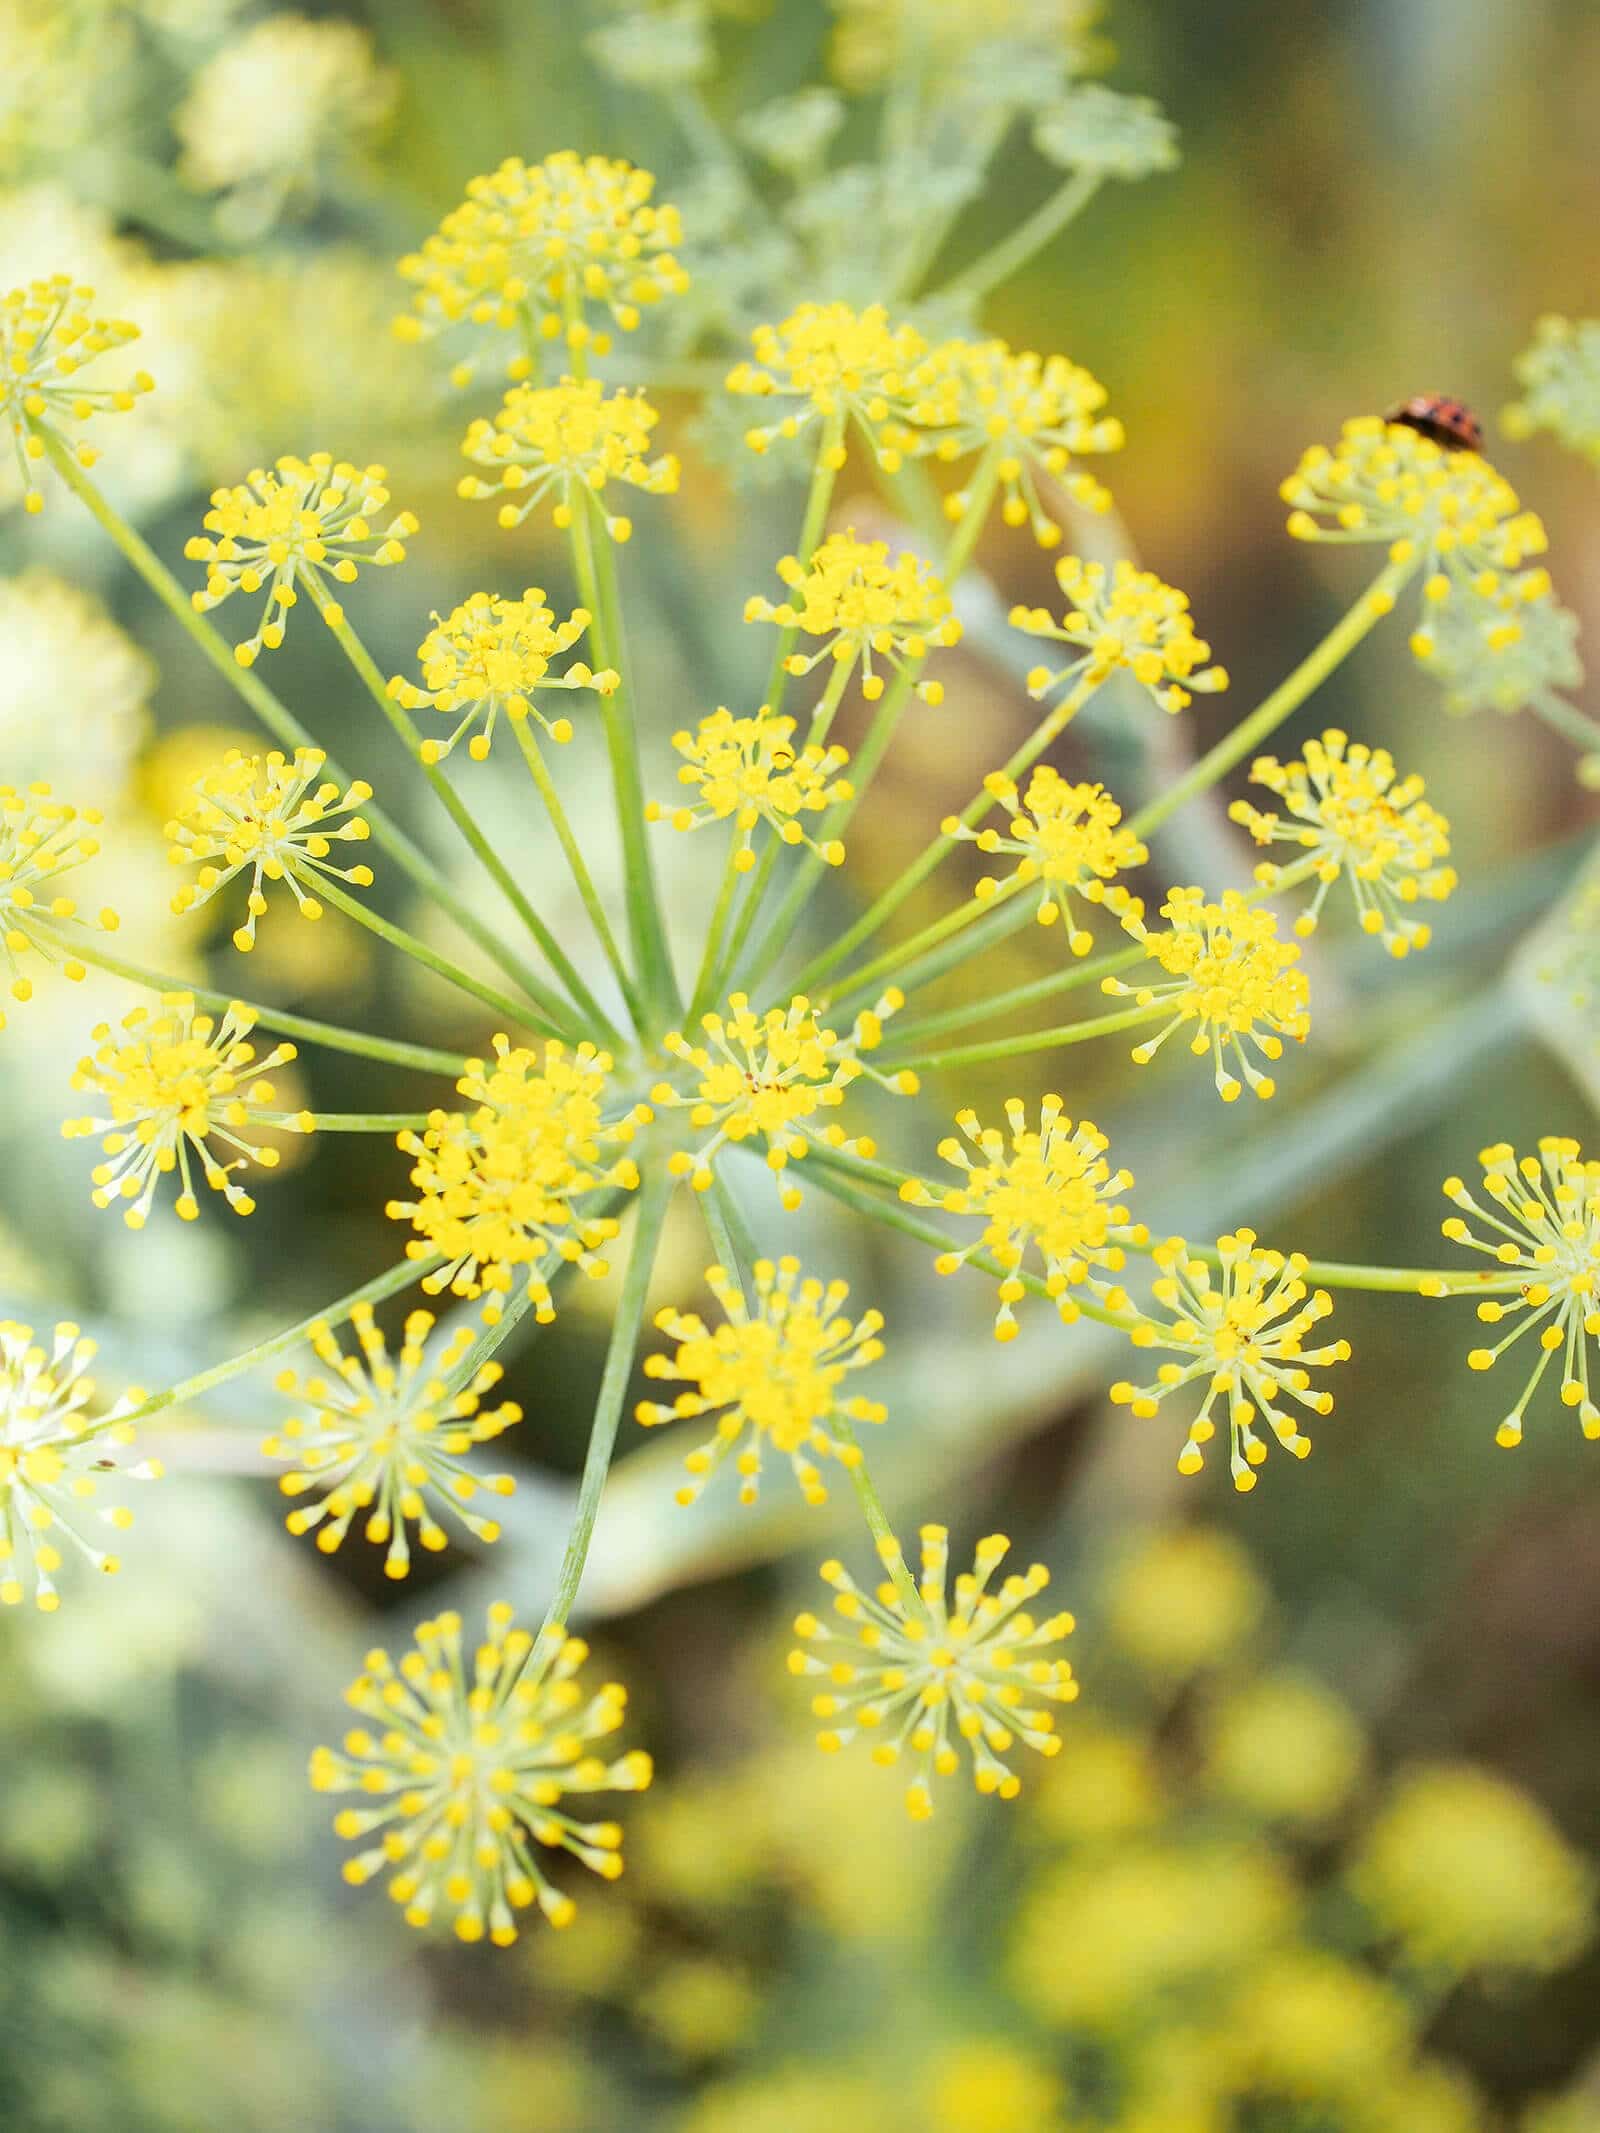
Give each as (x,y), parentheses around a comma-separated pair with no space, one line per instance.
(1002,260)
(419,952)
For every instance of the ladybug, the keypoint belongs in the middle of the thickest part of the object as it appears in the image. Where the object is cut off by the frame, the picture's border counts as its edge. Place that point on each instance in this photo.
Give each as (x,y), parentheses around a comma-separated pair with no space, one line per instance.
(1448,422)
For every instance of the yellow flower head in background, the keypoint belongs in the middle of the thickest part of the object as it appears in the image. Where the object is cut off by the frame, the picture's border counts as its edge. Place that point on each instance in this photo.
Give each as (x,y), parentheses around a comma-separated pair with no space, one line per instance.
(497,1185)
(1500,643)
(534,246)
(1545,1235)
(919,1674)
(1039,411)
(750,769)
(1383,481)
(180,1087)
(493,654)
(1560,378)
(383,1436)
(1469,1873)
(859,600)
(1351,810)
(266,815)
(47,336)
(1243,1338)
(52,1455)
(1046,1188)
(992,2086)
(1232,977)
(871,38)
(465,1766)
(773,1370)
(772,1076)
(556,442)
(1121,621)
(1182,1600)
(42,838)
(308,520)
(1068,839)
(1285,1748)
(831,361)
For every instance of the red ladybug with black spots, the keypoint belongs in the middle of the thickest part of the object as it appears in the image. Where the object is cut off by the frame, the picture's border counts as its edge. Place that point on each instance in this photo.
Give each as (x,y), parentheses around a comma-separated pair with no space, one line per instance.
(1448,422)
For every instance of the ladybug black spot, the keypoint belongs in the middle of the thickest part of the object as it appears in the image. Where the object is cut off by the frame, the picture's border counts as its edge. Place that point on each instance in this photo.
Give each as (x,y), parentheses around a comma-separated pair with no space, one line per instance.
(1448,422)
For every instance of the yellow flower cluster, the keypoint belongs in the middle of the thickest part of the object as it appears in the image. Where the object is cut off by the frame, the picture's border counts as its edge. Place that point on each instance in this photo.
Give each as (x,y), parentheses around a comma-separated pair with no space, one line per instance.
(1560,378)
(771,1372)
(284,530)
(773,1076)
(1244,1339)
(383,1436)
(497,1184)
(917,1673)
(1353,815)
(47,336)
(175,1081)
(53,1455)
(1121,621)
(1232,977)
(1046,1188)
(859,601)
(831,362)
(1068,839)
(42,838)
(260,813)
(492,654)
(1038,412)
(561,442)
(1545,1240)
(1384,481)
(464,1765)
(533,246)
(750,769)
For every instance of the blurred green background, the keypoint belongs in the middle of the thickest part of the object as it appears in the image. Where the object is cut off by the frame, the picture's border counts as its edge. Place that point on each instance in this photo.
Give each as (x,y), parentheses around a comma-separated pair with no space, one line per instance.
(1212,1915)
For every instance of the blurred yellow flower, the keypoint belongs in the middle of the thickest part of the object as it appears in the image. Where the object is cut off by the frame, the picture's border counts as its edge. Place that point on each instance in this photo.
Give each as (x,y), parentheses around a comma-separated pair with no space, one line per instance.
(42,839)
(833,362)
(992,2086)
(1317,2030)
(772,1370)
(1285,1748)
(1109,1787)
(1560,377)
(1183,1600)
(468,1771)
(1469,1873)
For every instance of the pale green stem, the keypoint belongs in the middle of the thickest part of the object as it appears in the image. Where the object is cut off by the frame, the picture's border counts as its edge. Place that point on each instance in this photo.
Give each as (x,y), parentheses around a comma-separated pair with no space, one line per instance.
(365,1121)
(729,1233)
(1390,1280)
(925,244)
(818,497)
(1002,1003)
(929,858)
(1287,697)
(334,1314)
(996,926)
(1002,260)
(276,716)
(956,921)
(1566,719)
(533,756)
(1039,1040)
(472,833)
(887,1541)
(705,982)
(625,1328)
(421,1056)
(821,720)
(595,567)
(516,1014)
(881,732)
